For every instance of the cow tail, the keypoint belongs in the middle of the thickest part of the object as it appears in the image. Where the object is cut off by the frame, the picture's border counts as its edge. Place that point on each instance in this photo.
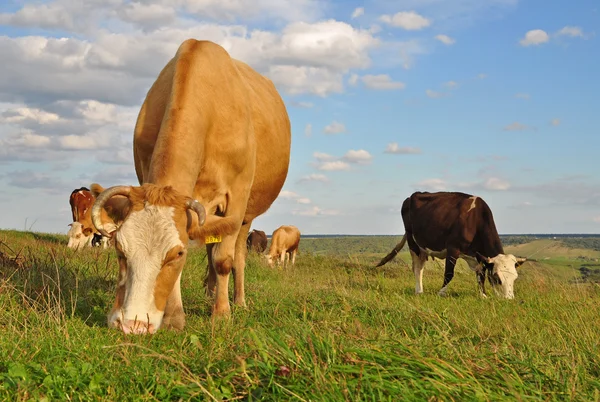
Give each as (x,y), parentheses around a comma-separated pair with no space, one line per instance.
(392,253)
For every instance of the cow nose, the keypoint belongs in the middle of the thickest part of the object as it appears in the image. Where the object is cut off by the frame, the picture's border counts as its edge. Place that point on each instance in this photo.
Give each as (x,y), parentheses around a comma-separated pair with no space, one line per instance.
(137,327)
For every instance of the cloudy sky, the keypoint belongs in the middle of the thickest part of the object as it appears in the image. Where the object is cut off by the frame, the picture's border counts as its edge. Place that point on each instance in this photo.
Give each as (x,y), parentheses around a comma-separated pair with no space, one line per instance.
(498,98)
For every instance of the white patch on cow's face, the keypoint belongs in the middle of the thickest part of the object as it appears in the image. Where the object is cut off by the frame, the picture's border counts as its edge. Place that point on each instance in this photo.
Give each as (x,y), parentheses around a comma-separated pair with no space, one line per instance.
(77,239)
(505,268)
(145,237)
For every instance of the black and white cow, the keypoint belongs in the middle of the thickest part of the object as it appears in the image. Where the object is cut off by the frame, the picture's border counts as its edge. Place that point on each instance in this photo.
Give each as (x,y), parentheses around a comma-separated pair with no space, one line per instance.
(454,225)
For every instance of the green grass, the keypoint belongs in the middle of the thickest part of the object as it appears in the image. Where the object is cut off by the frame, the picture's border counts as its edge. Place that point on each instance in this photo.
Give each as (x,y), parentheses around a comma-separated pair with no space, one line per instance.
(332,328)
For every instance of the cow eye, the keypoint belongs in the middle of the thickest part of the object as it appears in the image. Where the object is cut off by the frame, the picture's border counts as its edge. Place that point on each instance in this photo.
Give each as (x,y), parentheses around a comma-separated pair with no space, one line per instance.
(180,254)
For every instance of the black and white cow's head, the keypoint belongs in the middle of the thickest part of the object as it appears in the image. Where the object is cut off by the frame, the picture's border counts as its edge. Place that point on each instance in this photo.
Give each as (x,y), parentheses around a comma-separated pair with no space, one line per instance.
(502,272)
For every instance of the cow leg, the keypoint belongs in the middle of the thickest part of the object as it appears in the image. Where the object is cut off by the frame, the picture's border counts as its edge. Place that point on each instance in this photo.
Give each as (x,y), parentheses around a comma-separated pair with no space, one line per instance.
(294,257)
(451,257)
(210,281)
(239,265)
(282,258)
(174,316)
(418,263)
(223,254)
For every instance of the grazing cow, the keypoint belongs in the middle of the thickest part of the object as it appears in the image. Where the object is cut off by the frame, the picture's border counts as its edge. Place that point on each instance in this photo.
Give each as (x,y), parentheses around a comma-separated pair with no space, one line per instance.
(211,149)
(81,201)
(257,241)
(284,242)
(451,225)
(77,237)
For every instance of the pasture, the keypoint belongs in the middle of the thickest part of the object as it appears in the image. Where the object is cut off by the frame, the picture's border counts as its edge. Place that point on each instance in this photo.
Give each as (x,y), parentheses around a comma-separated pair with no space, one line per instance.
(330,328)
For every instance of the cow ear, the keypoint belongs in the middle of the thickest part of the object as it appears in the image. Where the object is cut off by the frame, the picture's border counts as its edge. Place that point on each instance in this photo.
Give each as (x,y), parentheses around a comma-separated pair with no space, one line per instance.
(87,231)
(96,189)
(482,259)
(520,261)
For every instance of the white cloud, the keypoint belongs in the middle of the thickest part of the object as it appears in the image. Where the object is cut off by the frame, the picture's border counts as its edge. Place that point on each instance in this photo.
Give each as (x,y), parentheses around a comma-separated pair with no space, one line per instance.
(571,31)
(393,148)
(323,157)
(496,184)
(596,219)
(79,142)
(445,39)
(31,140)
(334,128)
(290,195)
(334,166)
(431,185)
(360,157)
(45,16)
(451,84)
(522,205)
(481,76)
(408,20)
(358,12)
(300,104)
(314,177)
(555,122)
(308,130)
(21,114)
(316,211)
(434,94)
(353,79)
(522,96)
(534,37)
(147,16)
(381,82)
(516,126)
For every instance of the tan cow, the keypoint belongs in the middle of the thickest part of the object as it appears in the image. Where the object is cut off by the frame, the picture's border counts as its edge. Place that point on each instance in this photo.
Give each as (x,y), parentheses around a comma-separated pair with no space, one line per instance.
(284,243)
(211,149)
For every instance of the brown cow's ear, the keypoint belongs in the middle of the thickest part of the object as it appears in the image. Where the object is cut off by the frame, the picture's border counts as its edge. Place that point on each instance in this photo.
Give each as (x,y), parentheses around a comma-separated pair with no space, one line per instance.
(87,231)
(96,189)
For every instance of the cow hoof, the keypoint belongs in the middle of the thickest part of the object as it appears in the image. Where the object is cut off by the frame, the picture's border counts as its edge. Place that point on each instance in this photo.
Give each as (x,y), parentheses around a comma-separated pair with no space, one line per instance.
(221,312)
(483,295)
(240,304)
(442,293)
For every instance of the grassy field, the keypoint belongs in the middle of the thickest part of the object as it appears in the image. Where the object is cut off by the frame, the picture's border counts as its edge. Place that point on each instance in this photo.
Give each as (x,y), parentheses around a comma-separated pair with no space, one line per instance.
(331,328)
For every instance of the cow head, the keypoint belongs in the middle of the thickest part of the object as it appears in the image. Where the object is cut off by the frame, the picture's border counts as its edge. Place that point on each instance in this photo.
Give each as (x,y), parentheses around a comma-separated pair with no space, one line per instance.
(502,272)
(78,235)
(150,238)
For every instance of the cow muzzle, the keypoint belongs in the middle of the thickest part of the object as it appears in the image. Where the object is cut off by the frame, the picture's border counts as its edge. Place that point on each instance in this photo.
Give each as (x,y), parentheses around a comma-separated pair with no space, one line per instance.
(136,327)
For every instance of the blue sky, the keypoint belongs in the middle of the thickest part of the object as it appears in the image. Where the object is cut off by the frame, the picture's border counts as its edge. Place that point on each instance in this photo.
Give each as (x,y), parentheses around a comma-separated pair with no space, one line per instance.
(496,98)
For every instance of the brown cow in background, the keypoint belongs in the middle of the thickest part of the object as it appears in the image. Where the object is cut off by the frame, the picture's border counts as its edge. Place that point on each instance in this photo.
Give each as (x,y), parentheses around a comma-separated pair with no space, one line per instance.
(82,232)
(257,241)
(284,242)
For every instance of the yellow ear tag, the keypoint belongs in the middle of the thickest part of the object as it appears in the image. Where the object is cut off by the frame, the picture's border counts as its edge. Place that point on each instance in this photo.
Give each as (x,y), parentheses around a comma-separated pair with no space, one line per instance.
(212,239)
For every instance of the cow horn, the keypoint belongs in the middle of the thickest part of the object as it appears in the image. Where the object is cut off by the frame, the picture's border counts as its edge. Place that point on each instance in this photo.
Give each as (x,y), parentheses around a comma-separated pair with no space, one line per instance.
(198,208)
(521,259)
(101,200)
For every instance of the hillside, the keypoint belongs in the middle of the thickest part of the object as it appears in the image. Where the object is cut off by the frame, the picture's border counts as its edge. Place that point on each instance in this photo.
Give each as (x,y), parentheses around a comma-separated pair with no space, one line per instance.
(330,328)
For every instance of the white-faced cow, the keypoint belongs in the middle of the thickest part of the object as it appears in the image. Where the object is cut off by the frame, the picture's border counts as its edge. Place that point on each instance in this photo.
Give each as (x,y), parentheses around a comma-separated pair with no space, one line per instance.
(84,233)
(257,241)
(211,149)
(451,225)
(77,238)
(284,242)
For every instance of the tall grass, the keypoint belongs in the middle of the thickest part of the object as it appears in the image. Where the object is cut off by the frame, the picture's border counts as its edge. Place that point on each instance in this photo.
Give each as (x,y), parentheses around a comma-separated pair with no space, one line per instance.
(329,328)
